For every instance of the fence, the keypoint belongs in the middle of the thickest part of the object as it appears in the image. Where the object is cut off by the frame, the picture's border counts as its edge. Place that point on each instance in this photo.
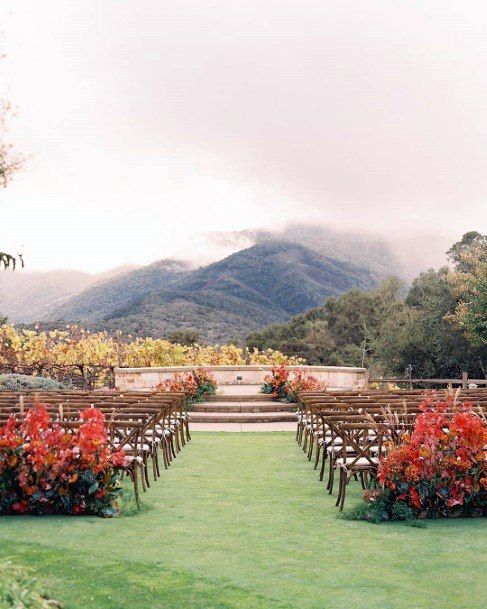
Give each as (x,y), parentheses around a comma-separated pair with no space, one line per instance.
(463,382)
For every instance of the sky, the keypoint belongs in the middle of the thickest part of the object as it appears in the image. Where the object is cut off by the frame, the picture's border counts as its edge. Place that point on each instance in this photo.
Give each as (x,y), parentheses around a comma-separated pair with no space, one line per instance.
(147,123)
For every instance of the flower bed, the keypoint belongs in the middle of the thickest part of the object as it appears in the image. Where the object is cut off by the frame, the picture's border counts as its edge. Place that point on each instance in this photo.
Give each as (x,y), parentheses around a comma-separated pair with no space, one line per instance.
(440,470)
(195,384)
(47,469)
(285,385)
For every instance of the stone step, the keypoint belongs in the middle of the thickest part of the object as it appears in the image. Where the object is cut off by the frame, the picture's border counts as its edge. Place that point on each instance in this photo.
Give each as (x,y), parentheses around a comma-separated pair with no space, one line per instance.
(241,417)
(234,407)
(250,427)
(257,397)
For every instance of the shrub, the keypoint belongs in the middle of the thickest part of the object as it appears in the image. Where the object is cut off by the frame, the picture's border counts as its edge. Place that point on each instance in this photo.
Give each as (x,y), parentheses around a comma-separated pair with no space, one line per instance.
(24,382)
(379,505)
(194,384)
(285,385)
(45,468)
(18,589)
(441,468)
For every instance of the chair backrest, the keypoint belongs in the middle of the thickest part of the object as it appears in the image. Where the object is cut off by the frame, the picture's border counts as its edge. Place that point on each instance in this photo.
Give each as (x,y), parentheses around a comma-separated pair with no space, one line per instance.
(365,441)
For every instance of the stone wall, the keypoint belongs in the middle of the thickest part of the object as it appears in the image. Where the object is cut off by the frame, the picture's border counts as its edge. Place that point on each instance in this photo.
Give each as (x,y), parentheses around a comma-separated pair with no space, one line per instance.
(231,379)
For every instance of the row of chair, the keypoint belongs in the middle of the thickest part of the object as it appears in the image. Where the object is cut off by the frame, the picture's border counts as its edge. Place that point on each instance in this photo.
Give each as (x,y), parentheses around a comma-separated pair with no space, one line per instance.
(145,424)
(348,430)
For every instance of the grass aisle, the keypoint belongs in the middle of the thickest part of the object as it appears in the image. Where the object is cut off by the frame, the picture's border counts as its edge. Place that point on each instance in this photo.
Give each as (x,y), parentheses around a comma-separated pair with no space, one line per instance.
(240,521)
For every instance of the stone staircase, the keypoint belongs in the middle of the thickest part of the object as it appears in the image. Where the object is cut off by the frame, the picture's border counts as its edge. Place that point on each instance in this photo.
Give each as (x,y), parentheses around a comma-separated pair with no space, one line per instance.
(230,412)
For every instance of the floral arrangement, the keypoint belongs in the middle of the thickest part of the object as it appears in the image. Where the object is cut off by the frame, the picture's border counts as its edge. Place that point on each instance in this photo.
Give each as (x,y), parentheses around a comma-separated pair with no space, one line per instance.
(439,470)
(285,385)
(48,469)
(194,384)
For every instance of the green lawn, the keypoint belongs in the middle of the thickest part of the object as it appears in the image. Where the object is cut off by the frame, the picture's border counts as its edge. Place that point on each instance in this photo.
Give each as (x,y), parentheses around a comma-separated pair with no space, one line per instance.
(241,521)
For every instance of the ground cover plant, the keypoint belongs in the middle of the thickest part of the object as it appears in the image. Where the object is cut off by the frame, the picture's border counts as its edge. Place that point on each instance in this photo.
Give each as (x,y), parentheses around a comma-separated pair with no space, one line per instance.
(47,469)
(24,382)
(241,521)
(284,384)
(20,590)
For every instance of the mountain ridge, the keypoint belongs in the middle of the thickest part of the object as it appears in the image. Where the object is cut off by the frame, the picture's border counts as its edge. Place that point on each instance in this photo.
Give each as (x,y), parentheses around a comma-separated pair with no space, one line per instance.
(266,283)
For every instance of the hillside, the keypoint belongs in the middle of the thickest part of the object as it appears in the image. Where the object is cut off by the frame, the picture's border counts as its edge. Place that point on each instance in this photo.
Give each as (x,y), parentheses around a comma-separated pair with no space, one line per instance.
(27,296)
(100,299)
(266,283)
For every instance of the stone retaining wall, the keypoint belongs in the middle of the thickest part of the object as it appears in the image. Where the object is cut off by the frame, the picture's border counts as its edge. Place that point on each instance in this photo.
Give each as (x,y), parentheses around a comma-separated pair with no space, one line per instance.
(229,378)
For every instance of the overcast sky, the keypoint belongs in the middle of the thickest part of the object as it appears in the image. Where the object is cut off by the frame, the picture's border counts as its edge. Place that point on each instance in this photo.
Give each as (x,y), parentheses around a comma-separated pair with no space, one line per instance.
(150,120)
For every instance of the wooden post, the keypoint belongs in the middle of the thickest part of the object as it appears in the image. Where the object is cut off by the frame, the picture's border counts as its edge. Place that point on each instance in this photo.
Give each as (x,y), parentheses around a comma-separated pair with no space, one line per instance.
(464,380)
(366,384)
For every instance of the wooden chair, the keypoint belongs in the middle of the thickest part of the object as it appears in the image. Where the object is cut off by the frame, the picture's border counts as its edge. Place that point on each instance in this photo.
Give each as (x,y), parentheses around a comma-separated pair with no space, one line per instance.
(366,442)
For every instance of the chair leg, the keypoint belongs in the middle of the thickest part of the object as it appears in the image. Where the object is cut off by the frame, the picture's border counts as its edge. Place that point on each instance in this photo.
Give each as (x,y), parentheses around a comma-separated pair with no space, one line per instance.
(323,464)
(142,476)
(181,432)
(135,481)
(176,436)
(344,490)
(155,464)
(340,485)
(165,457)
(331,475)
(318,453)
(171,444)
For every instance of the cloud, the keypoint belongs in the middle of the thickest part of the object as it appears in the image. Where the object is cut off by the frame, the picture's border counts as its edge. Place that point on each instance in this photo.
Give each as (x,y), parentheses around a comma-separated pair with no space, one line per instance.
(151,120)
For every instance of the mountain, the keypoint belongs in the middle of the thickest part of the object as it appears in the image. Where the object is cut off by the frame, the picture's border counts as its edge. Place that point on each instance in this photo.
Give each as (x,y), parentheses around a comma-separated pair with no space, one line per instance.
(27,296)
(364,250)
(98,300)
(266,283)
(403,255)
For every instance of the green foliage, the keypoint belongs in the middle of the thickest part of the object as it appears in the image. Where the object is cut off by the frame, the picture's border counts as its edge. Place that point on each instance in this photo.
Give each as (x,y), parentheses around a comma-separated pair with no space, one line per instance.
(185,337)
(468,283)
(380,506)
(18,589)
(458,251)
(426,339)
(345,331)
(128,504)
(23,382)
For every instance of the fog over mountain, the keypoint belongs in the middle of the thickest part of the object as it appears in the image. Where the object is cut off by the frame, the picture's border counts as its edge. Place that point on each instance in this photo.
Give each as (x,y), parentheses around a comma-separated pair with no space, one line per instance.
(404,256)
(27,296)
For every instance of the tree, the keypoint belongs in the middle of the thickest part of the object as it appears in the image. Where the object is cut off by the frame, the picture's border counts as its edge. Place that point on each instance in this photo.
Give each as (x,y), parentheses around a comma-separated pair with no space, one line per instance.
(468,283)
(185,337)
(458,253)
(426,340)
(345,331)
(10,162)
